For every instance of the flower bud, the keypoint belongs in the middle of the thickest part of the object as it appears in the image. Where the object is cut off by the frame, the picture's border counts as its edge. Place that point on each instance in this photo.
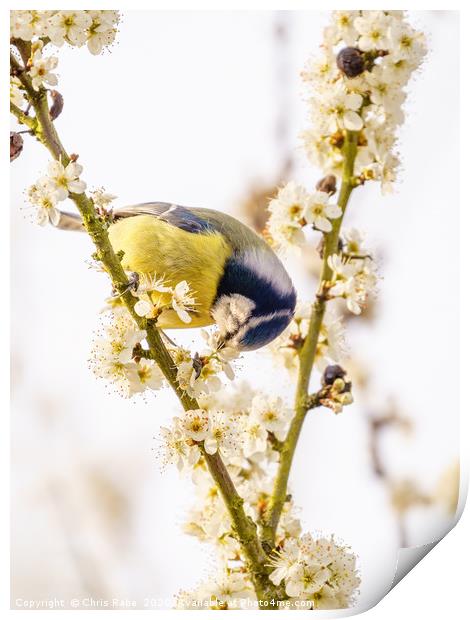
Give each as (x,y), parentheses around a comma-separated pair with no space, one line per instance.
(332,373)
(346,399)
(327,184)
(337,139)
(16,145)
(57,104)
(339,385)
(350,61)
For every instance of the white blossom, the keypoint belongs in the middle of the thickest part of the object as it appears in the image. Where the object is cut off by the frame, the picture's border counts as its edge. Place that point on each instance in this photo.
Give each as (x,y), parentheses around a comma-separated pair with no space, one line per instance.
(293,209)
(229,589)
(317,569)
(180,298)
(373,28)
(196,378)
(342,28)
(285,562)
(224,355)
(288,215)
(95,28)
(182,301)
(354,243)
(354,280)
(143,307)
(176,449)
(102,30)
(223,435)
(102,199)
(144,375)
(331,346)
(255,436)
(41,69)
(112,356)
(320,212)
(272,414)
(43,195)
(200,375)
(339,108)
(28,24)
(70,26)
(65,180)
(195,424)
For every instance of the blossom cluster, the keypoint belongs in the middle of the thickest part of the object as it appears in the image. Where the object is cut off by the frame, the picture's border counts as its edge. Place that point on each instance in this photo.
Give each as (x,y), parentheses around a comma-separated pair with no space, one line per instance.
(247,428)
(114,357)
(336,390)
(331,347)
(240,430)
(180,298)
(199,375)
(119,353)
(293,209)
(354,277)
(95,29)
(317,569)
(229,589)
(54,187)
(358,84)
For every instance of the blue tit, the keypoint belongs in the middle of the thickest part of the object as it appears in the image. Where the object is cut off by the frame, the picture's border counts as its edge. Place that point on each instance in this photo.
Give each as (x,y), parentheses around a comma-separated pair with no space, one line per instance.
(237,281)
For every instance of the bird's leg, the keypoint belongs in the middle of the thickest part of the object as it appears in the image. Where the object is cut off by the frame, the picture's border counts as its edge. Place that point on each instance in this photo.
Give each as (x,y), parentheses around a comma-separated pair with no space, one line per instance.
(133,285)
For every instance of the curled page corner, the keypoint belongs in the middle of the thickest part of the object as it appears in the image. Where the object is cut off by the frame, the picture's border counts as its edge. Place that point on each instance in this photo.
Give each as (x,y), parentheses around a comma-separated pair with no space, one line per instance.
(408,557)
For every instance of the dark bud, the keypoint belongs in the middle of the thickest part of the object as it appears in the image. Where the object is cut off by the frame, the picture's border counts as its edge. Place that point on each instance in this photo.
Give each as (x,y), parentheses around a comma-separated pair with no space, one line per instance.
(327,184)
(350,61)
(337,139)
(333,372)
(16,145)
(57,104)
(137,352)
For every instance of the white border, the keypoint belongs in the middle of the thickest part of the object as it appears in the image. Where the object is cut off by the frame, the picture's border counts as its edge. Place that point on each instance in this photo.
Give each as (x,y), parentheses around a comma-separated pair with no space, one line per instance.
(439,586)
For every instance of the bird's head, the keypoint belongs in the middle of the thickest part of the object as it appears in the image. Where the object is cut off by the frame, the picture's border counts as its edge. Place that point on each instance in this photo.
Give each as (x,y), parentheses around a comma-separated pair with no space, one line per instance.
(255,301)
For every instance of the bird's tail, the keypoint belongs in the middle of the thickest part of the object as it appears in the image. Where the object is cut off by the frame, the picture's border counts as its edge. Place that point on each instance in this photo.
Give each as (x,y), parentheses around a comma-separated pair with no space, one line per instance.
(70,221)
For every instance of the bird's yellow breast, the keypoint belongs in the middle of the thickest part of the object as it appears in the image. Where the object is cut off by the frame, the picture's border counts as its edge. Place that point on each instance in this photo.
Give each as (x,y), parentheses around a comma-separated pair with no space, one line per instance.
(158,249)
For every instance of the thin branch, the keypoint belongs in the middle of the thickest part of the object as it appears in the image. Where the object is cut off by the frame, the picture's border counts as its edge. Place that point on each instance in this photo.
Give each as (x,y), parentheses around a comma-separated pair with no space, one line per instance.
(243,525)
(23,118)
(308,351)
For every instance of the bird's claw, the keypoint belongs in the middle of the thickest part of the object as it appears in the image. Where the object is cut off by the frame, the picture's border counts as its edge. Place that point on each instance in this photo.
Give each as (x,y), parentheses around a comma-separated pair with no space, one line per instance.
(132,285)
(198,365)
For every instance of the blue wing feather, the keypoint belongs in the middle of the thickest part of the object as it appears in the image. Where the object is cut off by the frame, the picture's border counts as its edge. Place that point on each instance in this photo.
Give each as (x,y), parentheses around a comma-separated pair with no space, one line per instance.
(181,217)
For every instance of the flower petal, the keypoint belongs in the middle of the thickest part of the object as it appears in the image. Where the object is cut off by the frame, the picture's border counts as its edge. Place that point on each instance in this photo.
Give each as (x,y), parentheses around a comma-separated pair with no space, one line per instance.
(142,307)
(353,121)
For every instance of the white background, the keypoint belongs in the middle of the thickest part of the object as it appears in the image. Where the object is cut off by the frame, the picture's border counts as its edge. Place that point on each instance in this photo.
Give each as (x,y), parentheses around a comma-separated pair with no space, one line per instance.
(199,132)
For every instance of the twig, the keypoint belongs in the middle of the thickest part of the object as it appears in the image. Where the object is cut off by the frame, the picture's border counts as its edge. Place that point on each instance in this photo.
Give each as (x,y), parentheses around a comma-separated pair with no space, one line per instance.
(244,526)
(308,350)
